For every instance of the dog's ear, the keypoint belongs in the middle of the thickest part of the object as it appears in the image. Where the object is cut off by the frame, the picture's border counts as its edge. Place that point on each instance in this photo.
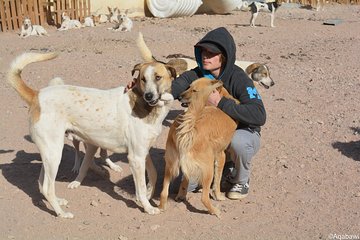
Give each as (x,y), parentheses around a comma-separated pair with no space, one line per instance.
(137,67)
(252,67)
(109,9)
(172,71)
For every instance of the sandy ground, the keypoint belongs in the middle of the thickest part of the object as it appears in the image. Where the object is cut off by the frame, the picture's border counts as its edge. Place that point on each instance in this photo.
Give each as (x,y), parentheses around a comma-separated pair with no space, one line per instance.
(305,181)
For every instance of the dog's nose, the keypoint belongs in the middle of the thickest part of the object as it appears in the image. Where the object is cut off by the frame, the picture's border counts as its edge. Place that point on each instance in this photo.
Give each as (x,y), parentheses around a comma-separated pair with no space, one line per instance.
(149,96)
(272,84)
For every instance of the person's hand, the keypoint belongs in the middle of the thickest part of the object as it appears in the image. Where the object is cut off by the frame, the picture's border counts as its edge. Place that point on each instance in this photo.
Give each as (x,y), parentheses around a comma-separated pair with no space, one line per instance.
(130,85)
(214,98)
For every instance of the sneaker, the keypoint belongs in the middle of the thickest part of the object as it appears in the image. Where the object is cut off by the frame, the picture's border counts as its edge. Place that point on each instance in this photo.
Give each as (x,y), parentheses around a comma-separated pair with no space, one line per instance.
(238,191)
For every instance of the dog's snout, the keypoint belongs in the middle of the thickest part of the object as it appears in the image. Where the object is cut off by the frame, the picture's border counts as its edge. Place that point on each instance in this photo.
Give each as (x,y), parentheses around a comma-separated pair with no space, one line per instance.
(149,96)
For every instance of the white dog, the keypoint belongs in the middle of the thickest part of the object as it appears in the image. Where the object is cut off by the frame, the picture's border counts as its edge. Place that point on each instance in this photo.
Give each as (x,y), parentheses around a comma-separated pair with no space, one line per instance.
(114,15)
(125,23)
(133,122)
(27,29)
(89,22)
(68,23)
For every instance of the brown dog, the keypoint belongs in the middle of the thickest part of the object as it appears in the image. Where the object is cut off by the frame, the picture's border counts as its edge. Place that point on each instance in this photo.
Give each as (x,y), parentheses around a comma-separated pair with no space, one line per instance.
(196,143)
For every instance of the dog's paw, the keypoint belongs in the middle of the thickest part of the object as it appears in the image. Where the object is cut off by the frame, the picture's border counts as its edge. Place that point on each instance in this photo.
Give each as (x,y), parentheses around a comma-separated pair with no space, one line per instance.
(74,184)
(153,210)
(219,196)
(167,97)
(180,198)
(115,167)
(66,215)
(62,201)
(214,211)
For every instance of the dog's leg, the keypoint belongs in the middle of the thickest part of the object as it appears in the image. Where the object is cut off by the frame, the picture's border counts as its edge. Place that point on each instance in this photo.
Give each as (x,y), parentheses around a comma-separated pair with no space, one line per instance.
(152,175)
(77,161)
(137,166)
(88,159)
(208,174)
(105,157)
(171,171)
(219,166)
(272,17)
(181,196)
(51,151)
(252,20)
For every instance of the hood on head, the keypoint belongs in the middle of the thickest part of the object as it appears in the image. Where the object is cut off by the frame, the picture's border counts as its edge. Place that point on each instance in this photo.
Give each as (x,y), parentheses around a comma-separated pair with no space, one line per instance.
(221,39)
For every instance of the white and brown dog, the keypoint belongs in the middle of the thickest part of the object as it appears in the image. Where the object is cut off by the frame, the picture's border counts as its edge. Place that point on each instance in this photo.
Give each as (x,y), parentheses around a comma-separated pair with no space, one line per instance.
(134,121)
(68,23)
(258,72)
(27,29)
(259,6)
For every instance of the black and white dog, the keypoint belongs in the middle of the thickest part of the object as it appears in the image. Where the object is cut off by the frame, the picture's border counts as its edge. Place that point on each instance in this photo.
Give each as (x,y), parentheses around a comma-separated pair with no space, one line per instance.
(255,7)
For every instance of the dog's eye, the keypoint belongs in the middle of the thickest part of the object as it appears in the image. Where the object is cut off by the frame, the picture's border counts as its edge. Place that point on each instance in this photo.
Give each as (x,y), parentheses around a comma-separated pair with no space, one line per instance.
(143,79)
(158,78)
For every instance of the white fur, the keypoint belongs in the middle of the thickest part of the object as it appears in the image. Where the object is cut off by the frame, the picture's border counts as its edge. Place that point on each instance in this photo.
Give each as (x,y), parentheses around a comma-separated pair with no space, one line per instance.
(58,108)
(114,14)
(27,29)
(88,22)
(68,23)
(125,25)
(76,142)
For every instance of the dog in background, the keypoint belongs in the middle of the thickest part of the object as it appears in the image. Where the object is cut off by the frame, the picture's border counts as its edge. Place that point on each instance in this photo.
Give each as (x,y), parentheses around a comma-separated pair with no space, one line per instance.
(89,22)
(258,6)
(68,23)
(196,144)
(100,19)
(125,24)
(27,29)
(114,14)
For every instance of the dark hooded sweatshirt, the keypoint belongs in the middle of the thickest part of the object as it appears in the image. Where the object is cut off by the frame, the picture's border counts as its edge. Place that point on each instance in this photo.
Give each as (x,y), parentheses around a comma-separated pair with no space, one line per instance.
(250,113)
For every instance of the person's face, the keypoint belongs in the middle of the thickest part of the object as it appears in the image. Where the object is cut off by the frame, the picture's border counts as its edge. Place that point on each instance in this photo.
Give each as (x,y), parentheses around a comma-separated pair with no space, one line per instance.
(210,61)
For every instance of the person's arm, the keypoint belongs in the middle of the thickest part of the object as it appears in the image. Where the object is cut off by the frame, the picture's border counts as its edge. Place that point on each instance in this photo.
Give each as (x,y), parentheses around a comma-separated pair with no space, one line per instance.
(181,83)
(251,110)
(251,113)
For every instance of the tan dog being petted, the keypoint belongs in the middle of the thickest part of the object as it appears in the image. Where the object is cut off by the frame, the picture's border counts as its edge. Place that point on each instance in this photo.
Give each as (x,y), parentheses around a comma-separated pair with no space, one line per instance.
(133,122)
(196,144)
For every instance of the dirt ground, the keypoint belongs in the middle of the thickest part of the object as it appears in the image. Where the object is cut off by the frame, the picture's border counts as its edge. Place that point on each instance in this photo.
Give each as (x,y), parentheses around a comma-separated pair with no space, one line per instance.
(305,181)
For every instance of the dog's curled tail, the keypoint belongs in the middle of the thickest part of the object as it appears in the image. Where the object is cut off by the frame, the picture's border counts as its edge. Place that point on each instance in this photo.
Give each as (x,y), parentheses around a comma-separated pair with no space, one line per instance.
(144,50)
(14,74)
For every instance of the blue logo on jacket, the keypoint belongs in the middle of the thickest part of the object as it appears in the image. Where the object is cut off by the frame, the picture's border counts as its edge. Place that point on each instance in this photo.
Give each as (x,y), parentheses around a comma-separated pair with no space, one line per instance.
(253,93)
